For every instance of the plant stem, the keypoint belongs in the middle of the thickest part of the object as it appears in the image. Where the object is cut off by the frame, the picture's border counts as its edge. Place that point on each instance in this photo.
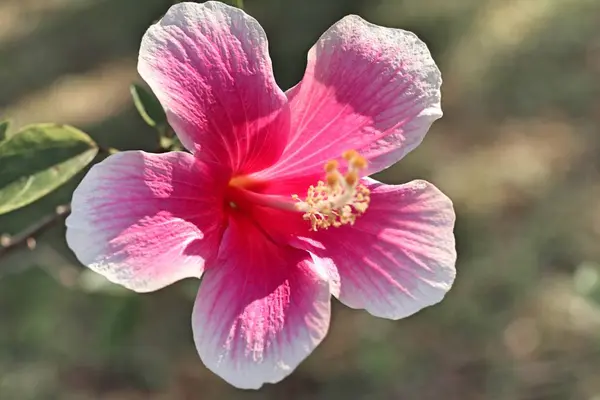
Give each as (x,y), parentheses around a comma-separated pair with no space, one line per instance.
(29,235)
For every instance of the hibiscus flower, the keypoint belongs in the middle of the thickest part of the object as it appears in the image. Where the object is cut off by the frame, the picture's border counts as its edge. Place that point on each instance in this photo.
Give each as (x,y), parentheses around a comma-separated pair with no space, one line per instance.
(272,205)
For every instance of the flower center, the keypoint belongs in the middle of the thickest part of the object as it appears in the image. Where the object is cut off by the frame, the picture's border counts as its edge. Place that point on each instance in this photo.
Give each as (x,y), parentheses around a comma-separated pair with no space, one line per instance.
(339,200)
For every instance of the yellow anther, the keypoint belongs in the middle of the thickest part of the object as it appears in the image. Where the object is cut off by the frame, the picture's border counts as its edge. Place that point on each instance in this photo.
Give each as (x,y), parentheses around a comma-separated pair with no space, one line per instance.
(359,162)
(351,178)
(331,166)
(348,155)
(332,179)
(339,200)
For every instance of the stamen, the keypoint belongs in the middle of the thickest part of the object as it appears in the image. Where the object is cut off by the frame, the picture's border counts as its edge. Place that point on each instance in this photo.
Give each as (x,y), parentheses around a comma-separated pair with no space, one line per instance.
(359,162)
(339,200)
(348,155)
(333,179)
(331,166)
(351,178)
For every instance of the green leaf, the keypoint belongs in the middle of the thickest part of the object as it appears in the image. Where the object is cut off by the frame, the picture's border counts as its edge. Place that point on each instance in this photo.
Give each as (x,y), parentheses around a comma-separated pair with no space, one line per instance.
(4,125)
(38,159)
(148,106)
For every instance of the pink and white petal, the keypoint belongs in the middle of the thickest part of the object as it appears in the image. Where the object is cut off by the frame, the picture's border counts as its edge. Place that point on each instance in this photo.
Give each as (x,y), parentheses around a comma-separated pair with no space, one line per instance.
(209,66)
(261,310)
(146,220)
(400,255)
(366,87)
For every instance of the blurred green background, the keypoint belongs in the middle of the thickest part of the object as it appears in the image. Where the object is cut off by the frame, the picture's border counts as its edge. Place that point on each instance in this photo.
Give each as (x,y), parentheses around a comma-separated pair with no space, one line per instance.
(518,151)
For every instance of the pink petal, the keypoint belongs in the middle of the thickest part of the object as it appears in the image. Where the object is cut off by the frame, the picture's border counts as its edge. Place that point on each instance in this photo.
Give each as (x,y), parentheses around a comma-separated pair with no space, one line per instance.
(400,255)
(261,310)
(366,87)
(209,66)
(146,220)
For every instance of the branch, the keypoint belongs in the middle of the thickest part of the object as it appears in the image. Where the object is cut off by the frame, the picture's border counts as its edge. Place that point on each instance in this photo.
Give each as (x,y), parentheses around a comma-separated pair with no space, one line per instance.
(28,236)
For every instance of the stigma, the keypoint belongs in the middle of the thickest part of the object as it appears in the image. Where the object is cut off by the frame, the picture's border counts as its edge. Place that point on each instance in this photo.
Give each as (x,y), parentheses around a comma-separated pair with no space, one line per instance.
(338,200)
